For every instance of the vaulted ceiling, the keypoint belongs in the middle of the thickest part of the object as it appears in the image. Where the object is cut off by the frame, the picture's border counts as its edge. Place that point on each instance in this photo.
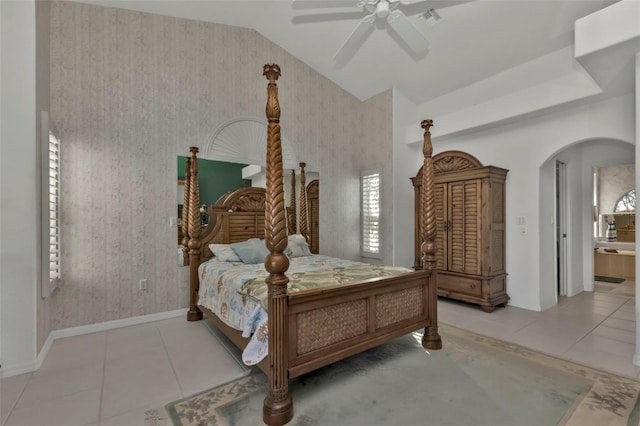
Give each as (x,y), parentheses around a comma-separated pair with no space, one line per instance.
(473,41)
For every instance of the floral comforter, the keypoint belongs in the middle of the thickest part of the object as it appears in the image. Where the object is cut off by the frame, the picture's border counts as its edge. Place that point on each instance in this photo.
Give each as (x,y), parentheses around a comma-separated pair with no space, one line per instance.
(237,294)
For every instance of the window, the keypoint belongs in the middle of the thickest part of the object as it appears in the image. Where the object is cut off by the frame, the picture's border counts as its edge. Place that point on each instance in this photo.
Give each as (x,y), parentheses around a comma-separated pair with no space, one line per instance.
(371,215)
(626,203)
(50,207)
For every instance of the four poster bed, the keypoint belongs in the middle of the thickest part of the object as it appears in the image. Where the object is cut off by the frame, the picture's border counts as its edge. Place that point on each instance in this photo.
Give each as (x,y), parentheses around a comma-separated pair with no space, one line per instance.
(308,326)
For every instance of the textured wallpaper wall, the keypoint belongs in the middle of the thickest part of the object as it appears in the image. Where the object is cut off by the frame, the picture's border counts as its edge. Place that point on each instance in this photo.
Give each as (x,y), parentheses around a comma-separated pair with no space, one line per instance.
(130,91)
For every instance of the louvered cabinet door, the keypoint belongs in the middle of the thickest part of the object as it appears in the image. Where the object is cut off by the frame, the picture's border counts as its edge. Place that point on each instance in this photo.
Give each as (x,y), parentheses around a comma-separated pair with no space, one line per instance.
(440,195)
(463,236)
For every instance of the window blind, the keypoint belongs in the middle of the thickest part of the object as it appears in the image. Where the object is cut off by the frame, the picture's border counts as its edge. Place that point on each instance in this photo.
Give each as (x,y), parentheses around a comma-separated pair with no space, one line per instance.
(371,214)
(54,208)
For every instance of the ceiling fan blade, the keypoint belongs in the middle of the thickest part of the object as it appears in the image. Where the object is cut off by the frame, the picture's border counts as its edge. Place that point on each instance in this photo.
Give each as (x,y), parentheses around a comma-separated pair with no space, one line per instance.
(357,37)
(322,17)
(407,31)
(436,4)
(316,4)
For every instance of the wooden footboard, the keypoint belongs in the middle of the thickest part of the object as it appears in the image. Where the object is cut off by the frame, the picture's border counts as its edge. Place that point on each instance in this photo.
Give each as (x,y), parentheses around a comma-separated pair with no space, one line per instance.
(332,323)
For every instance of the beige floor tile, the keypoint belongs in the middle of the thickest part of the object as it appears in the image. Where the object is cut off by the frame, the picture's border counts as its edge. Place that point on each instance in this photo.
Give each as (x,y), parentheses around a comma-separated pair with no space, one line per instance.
(142,361)
(179,335)
(129,341)
(150,387)
(486,328)
(78,409)
(628,307)
(624,315)
(178,324)
(515,317)
(10,390)
(209,366)
(546,338)
(620,323)
(45,385)
(75,351)
(615,334)
(468,309)
(228,345)
(606,345)
(457,319)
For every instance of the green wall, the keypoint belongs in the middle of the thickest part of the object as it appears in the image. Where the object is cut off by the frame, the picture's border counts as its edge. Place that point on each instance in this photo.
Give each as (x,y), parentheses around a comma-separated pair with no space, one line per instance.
(216,178)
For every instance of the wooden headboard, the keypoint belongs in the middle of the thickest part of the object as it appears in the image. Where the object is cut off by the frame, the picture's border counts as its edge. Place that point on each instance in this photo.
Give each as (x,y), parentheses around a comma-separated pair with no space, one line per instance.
(236,216)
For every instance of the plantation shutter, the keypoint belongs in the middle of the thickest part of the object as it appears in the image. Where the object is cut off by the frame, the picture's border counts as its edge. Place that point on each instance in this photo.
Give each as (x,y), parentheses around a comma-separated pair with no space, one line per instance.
(54,208)
(371,214)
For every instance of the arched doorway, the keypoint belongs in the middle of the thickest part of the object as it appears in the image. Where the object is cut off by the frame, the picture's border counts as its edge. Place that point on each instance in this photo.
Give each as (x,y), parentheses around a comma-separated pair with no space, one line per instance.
(579,158)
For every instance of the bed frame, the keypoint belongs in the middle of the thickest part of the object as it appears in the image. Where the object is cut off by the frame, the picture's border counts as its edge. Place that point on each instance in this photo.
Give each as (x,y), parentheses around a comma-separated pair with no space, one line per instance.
(363,315)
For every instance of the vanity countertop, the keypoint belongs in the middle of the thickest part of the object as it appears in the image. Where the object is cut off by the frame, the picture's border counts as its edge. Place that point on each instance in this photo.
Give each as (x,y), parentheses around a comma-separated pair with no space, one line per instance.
(615,245)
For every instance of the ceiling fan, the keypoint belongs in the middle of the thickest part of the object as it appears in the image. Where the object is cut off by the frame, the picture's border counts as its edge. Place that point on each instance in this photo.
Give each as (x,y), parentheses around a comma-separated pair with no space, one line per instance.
(376,10)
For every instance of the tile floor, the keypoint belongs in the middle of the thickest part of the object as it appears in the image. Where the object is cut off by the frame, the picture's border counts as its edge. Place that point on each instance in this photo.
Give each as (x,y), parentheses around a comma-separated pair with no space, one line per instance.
(110,378)
(592,328)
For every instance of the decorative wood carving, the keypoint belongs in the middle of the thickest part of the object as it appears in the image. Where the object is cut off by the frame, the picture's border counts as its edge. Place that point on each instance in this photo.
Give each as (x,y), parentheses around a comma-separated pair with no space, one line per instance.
(291,210)
(185,213)
(249,199)
(278,405)
(449,161)
(193,226)
(248,203)
(313,211)
(304,218)
(431,339)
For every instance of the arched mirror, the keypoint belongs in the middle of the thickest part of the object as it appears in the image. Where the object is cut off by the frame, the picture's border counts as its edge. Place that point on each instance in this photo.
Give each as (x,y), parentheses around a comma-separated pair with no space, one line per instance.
(233,159)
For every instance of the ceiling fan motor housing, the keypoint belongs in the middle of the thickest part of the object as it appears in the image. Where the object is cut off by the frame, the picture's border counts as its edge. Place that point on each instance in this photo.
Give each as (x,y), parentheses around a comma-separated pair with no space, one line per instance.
(382,9)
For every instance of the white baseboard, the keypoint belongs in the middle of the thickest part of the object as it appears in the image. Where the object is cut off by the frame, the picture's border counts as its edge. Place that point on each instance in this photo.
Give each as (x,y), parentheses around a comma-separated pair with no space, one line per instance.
(17,369)
(28,367)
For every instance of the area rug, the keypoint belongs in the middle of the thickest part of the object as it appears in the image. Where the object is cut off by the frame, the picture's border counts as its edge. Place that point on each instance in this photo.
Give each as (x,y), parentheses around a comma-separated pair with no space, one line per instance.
(473,380)
(608,279)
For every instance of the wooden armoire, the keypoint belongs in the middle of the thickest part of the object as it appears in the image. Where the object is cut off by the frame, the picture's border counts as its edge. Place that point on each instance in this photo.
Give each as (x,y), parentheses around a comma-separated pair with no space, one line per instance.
(470,215)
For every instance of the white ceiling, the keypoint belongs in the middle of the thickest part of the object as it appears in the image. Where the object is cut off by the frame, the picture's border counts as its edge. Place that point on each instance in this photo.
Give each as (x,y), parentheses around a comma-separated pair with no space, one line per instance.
(475,40)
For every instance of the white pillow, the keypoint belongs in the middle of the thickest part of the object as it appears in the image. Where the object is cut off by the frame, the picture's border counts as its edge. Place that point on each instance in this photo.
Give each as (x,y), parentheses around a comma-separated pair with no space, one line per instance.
(224,253)
(297,246)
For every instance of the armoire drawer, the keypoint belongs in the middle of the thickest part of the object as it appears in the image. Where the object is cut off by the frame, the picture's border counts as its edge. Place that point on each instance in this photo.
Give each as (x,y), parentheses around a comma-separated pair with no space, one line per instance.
(457,284)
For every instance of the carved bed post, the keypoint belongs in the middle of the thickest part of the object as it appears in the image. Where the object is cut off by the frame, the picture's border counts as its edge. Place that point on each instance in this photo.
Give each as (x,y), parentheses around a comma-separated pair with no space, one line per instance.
(193,223)
(292,217)
(278,405)
(304,219)
(431,338)
(185,213)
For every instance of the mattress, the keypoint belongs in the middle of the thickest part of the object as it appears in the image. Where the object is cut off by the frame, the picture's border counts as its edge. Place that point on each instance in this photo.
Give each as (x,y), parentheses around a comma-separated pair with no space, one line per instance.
(236,292)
